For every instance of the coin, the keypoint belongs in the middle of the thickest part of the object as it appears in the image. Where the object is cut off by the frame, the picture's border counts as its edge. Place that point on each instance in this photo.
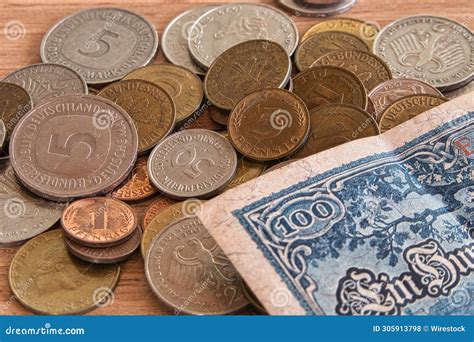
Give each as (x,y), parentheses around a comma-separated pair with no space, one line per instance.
(227,25)
(279,166)
(184,87)
(337,124)
(155,208)
(460,91)
(88,146)
(202,119)
(45,81)
(101,44)
(370,69)
(15,102)
(252,298)
(392,90)
(150,107)
(46,279)
(218,116)
(192,163)
(245,68)
(93,91)
(366,31)
(23,214)
(432,49)
(322,43)
(269,125)
(323,85)
(371,108)
(107,255)
(184,259)
(137,186)
(326,8)
(177,35)
(407,108)
(3,134)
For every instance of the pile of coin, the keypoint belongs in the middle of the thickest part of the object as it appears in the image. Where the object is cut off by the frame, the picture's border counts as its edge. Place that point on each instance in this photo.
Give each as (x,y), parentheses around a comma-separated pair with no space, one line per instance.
(95,130)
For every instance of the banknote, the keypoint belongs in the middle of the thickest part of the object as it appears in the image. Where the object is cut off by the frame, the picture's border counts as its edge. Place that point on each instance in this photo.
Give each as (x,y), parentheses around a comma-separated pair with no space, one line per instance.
(379,226)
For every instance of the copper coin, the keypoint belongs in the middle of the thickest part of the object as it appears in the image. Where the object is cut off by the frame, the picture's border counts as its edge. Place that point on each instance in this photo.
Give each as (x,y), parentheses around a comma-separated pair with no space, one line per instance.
(184,87)
(392,90)
(138,185)
(202,119)
(323,43)
(407,108)
(334,125)
(106,255)
(370,69)
(184,259)
(371,108)
(99,222)
(324,85)
(220,117)
(155,208)
(269,125)
(3,134)
(74,146)
(245,68)
(15,102)
(151,108)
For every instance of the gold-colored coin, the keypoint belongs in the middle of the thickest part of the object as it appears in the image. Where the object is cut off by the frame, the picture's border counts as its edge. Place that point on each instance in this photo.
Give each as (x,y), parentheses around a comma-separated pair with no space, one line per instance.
(366,31)
(150,107)
(336,124)
(324,85)
(407,108)
(184,87)
(45,278)
(370,69)
(14,103)
(323,43)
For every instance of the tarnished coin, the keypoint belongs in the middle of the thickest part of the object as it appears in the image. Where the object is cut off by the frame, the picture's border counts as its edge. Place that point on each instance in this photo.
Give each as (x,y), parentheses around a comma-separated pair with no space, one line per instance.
(177,35)
(323,43)
(23,215)
(15,102)
(155,208)
(231,24)
(371,108)
(184,87)
(181,259)
(151,108)
(369,68)
(192,163)
(202,119)
(366,31)
(99,221)
(329,84)
(46,279)
(101,44)
(337,124)
(46,81)
(137,186)
(320,9)
(460,91)
(87,146)
(390,91)
(106,255)
(3,134)
(218,116)
(407,108)
(245,68)
(269,125)
(432,49)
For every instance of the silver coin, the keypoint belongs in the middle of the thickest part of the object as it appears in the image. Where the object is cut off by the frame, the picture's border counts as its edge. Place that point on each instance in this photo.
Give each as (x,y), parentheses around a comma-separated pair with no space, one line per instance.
(101,44)
(313,9)
(46,81)
(177,35)
(3,134)
(23,215)
(194,163)
(432,49)
(454,94)
(229,25)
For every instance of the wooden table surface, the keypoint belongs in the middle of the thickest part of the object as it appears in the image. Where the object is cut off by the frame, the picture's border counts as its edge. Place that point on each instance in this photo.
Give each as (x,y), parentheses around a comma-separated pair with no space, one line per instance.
(133,296)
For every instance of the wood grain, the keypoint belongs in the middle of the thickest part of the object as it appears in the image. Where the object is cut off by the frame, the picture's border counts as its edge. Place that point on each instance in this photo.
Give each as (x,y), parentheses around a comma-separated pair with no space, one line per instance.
(133,296)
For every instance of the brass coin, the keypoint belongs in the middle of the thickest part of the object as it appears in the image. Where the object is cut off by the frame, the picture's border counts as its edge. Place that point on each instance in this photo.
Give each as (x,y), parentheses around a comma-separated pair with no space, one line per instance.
(15,102)
(184,87)
(336,124)
(366,31)
(245,68)
(370,69)
(323,43)
(155,208)
(45,278)
(269,125)
(150,107)
(137,186)
(324,85)
(407,108)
